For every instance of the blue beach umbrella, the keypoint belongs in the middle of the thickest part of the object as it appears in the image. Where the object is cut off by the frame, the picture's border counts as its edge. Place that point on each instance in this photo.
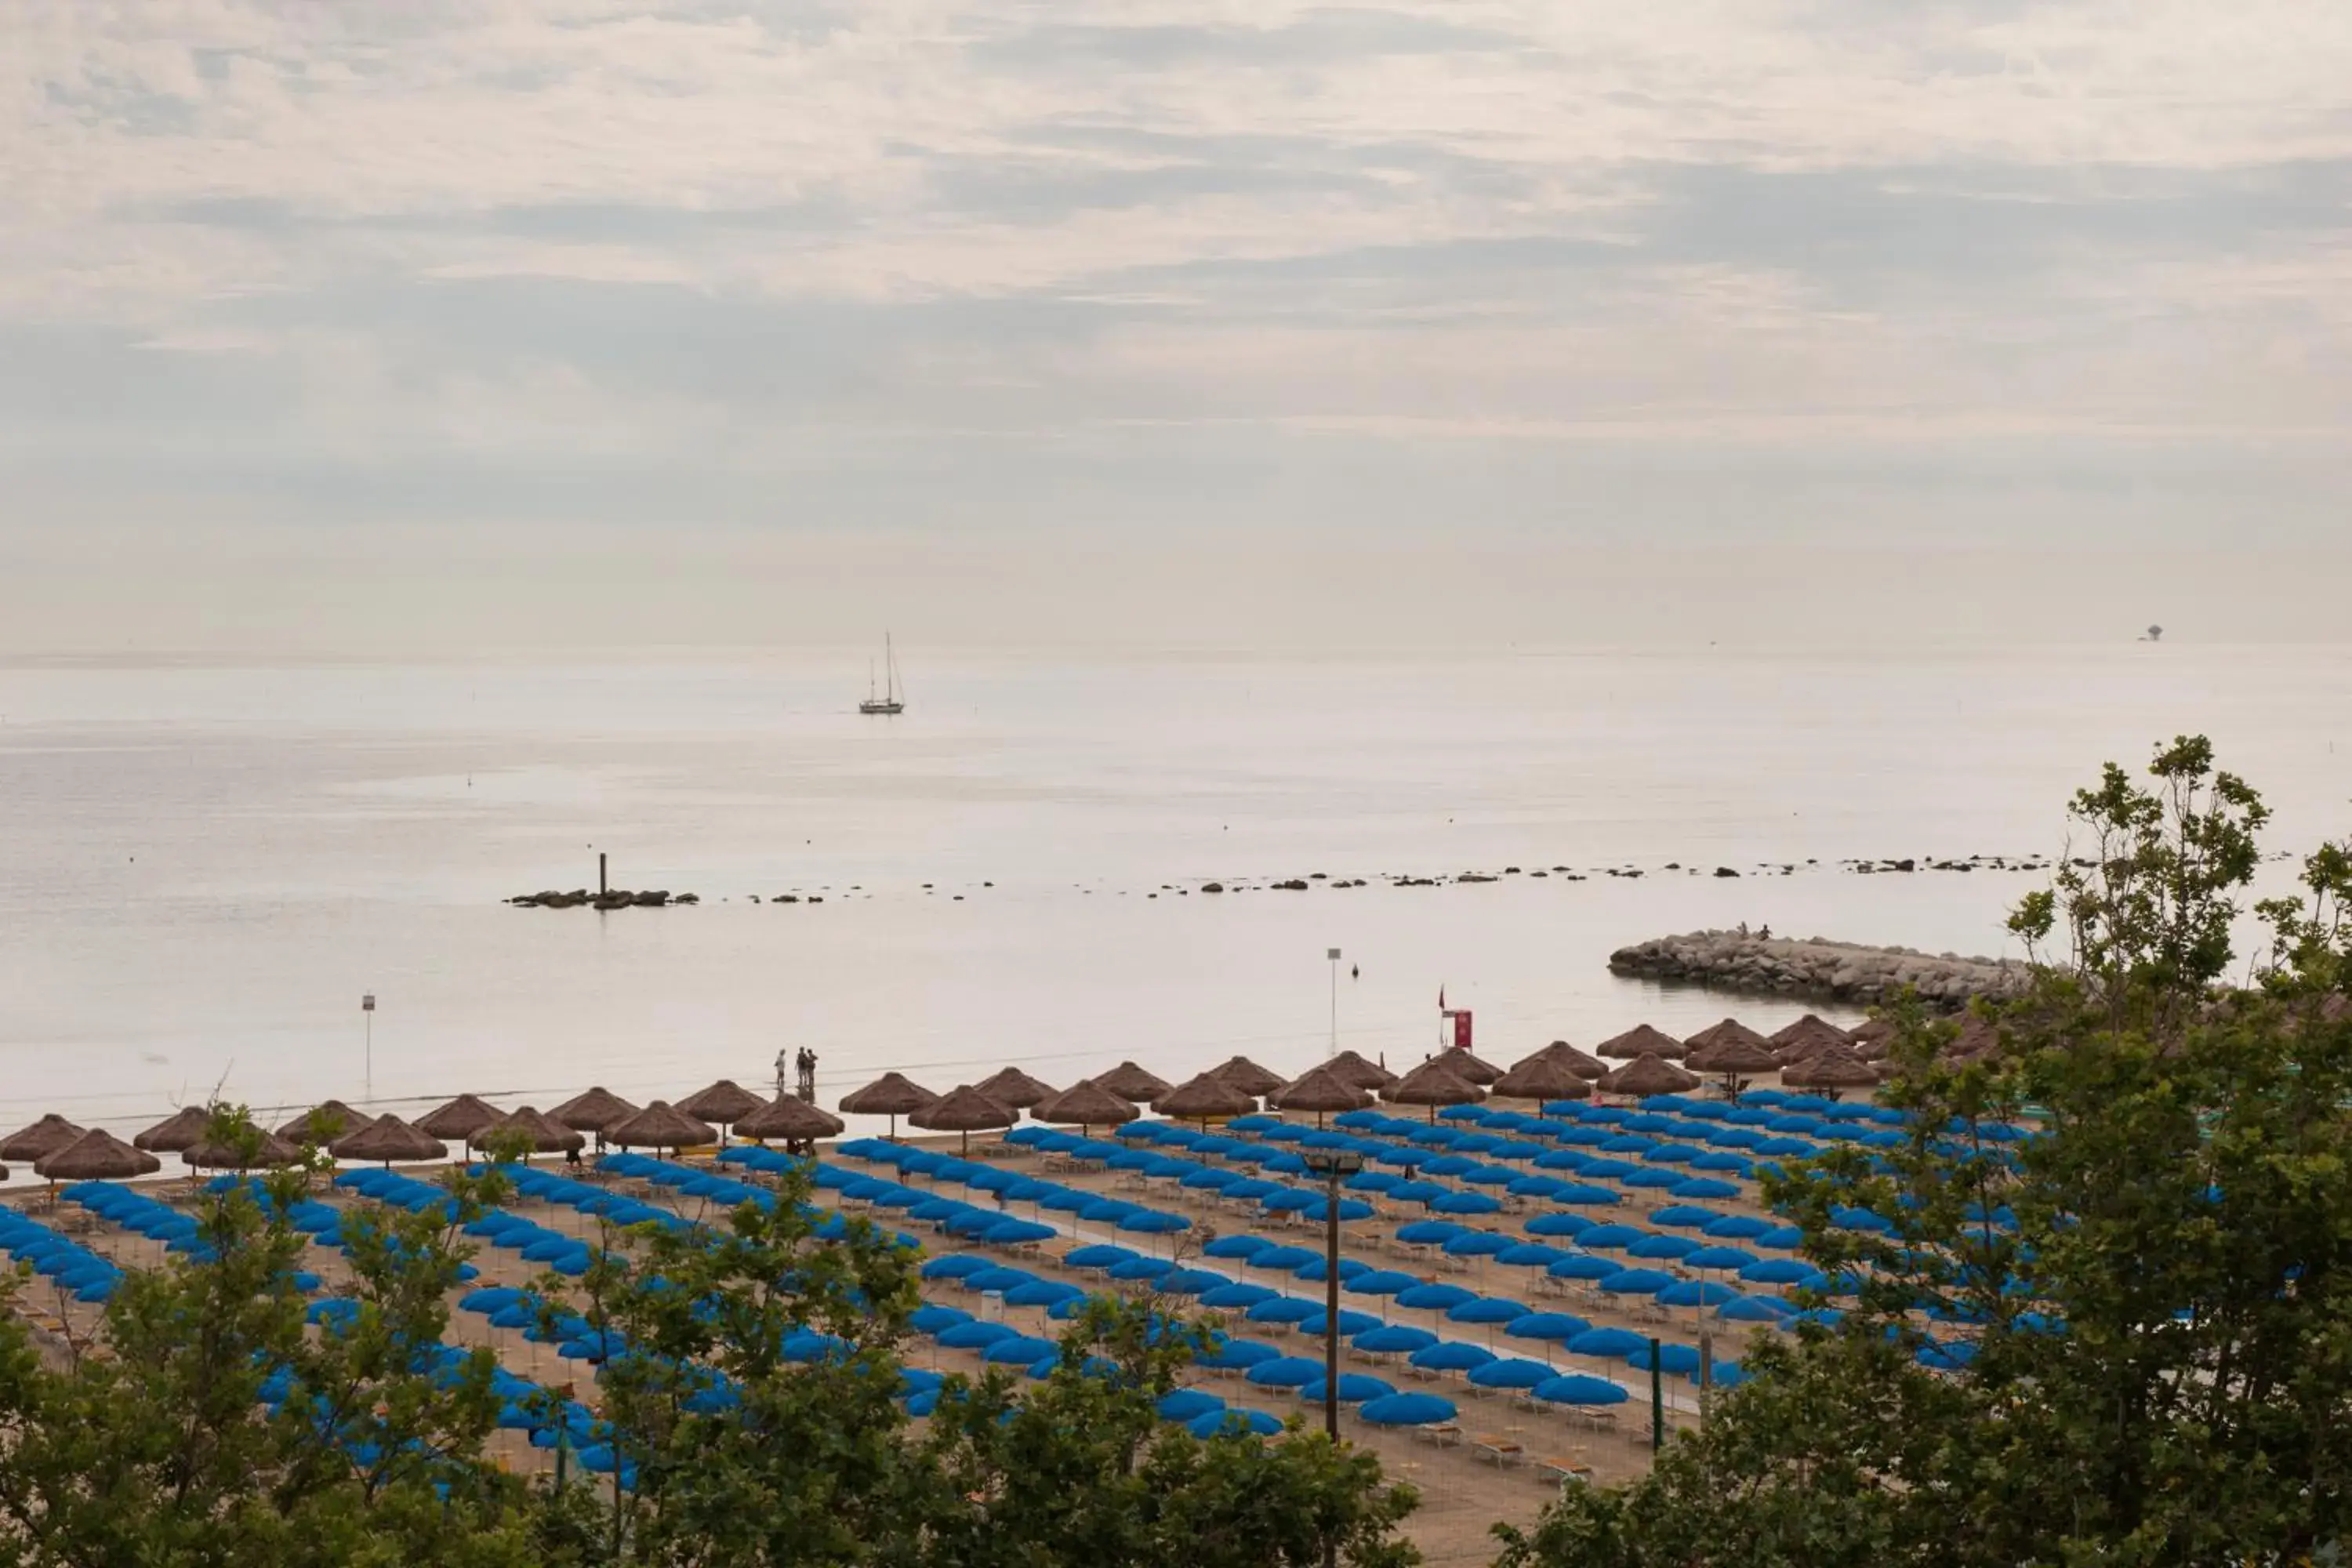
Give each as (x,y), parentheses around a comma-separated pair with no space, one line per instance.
(1284,1372)
(1187,1404)
(1715,1259)
(1635,1282)
(1233,1423)
(1566,1226)
(1609,1237)
(1578,1388)
(1752,1310)
(1237,1247)
(1515,1373)
(1407,1410)
(1354,1388)
(1429,1232)
(1435,1297)
(1584,1266)
(1662,1247)
(1451,1356)
(1559,1327)
(1487,1310)
(1393,1339)
(1607,1343)
(1478,1243)
(1680,1360)
(1696,1293)
(1282,1309)
(1238,1296)
(1237,1355)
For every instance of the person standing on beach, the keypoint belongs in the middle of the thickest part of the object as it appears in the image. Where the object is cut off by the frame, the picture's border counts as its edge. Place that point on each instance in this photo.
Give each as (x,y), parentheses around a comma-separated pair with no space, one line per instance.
(780,1079)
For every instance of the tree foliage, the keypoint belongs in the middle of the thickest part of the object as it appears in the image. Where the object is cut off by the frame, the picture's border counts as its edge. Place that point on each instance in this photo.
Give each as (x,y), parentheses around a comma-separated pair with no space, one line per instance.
(154,1447)
(2154,1298)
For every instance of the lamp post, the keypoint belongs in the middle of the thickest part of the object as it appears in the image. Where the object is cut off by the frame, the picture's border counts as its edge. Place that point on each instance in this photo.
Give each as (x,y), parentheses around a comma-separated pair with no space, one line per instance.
(1333,954)
(1335,1166)
(367,1043)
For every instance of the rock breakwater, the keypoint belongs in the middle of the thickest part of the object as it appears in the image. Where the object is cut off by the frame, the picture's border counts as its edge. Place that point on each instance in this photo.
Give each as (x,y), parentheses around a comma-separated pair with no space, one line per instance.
(1816,968)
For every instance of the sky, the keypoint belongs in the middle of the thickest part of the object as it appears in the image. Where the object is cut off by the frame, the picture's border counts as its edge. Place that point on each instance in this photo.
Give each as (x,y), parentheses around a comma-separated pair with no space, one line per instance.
(473,320)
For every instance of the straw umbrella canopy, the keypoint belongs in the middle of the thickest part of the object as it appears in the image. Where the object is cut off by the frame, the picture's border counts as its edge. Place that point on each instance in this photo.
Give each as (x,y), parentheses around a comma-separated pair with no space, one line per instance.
(1350,1068)
(661,1125)
(542,1133)
(1731,1057)
(1641,1040)
(1832,1071)
(1649,1074)
(387,1138)
(1011,1087)
(1320,1090)
(724,1102)
(323,1124)
(598,1111)
(1130,1082)
(964,1110)
(1977,1040)
(1086,1104)
(97,1156)
(1723,1034)
(1872,1041)
(1204,1097)
(211,1156)
(1248,1077)
(184,1129)
(1433,1083)
(1566,1055)
(892,1095)
(1542,1078)
(47,1136)
(1470,1069)
(789,1117)
(462,1118)
(1807,1036)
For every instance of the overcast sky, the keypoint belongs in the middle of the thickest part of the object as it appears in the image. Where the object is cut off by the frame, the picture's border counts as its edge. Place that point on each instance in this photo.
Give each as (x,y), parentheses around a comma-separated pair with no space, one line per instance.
(1557,280)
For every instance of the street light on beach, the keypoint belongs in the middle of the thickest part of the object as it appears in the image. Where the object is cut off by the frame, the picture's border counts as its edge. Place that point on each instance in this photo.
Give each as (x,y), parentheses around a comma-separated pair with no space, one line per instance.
(1335,1166)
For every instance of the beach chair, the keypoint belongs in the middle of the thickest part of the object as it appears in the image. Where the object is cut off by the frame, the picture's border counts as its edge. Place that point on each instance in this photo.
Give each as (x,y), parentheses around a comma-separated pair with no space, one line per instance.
(1568,1471)
(1439,1435)
(1506,1451)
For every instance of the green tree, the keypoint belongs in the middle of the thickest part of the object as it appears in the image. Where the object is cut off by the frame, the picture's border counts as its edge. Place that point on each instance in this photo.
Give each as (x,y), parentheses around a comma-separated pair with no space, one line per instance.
(160,1451)
(2154,1297)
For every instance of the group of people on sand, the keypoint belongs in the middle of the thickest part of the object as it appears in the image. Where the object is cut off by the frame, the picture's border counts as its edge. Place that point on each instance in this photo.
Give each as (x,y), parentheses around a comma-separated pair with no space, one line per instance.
(803,1074)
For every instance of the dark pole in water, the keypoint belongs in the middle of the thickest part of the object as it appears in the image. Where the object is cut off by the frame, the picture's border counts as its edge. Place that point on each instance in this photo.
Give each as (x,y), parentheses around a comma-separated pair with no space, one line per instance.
(601,887)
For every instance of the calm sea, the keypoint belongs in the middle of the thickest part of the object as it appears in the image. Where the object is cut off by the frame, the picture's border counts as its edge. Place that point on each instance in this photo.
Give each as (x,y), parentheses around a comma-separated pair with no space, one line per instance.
(202,870)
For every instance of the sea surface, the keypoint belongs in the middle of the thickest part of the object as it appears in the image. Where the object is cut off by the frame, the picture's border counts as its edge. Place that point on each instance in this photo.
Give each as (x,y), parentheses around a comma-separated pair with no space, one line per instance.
(203,868)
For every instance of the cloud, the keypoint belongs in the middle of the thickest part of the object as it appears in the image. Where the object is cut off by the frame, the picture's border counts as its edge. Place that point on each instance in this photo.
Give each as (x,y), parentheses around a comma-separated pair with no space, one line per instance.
(489,243)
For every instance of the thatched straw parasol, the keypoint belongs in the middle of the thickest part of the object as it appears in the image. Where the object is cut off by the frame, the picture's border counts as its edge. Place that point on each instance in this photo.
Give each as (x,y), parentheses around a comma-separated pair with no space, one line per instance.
(387,1138)
(1433,1083)
(964,1110)
(661,1126)
(1805,1037)
(1731,1057)
(543,1134)
(1199,1099)
(789,1117)
(1641,1040)
(1542,1078)
(1248,1077)
(1086,1104)
(1320,1090)
(1832,1071)
(891,1095)
(1350,1068)
(323,1124)
(1873,1040)
(1469,1068)
(208,1155)
(47,1136)
(1649,1074)
(724,1102)
(462,1118)
(1132,1082)
(1566,1055)
(97,1156)
(1011,1087)
(1978,1040)
(598,1111)
(184,1129)
(1724,1034)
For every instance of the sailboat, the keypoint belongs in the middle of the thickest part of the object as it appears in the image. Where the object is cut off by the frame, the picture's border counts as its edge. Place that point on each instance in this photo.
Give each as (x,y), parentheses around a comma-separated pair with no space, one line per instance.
(889,700)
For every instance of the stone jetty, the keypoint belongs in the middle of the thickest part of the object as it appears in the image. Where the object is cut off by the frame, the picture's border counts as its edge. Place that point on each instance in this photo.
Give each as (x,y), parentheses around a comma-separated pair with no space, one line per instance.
(1816,969)
(613,899)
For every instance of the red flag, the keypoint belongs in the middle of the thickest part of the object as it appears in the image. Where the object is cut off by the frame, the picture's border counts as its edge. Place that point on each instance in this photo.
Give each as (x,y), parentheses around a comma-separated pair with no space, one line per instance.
(1441,998)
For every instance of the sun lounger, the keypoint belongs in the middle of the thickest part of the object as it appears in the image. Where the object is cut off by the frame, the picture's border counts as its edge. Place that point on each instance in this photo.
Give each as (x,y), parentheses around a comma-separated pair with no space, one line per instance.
(1505,1451)
(1442,1435)
(1565,1470)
